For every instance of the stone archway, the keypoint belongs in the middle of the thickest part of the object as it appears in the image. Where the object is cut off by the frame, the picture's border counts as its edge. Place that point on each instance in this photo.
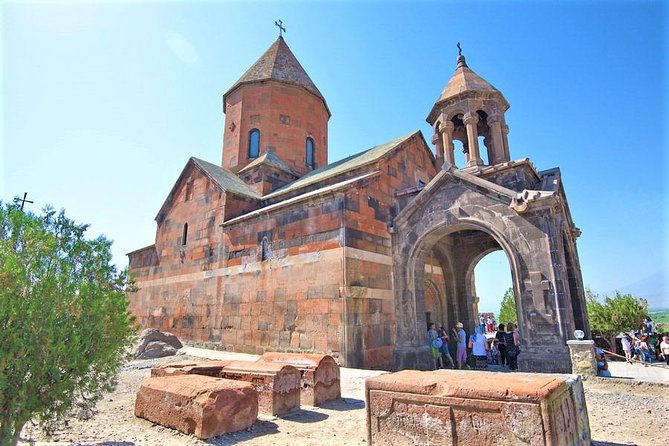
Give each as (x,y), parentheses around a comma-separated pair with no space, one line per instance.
(457,218)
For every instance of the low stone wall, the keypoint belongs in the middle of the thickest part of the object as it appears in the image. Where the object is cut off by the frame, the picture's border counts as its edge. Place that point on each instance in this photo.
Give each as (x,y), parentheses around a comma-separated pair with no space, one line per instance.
(198,405)
(476,408)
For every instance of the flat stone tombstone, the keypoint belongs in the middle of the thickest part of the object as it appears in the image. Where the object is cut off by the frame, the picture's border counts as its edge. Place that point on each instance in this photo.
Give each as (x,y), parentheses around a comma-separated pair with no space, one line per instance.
(320,375)
(206,368)
(278,385)
(476,408)
(198,405)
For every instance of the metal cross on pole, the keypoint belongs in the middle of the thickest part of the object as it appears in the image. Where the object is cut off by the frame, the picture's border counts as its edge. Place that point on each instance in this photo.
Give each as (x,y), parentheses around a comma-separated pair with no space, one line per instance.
(282,30)
(22,200)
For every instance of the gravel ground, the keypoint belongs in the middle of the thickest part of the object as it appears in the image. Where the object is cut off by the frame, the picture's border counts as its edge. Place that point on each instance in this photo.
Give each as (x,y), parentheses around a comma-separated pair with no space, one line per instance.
(621,413)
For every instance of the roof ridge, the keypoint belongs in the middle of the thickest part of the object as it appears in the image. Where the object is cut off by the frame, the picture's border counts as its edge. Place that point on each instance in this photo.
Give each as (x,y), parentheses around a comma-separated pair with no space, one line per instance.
(339,167)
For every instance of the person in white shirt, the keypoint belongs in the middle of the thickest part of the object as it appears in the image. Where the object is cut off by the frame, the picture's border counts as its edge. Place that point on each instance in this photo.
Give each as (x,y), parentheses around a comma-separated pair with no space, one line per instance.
(626,342)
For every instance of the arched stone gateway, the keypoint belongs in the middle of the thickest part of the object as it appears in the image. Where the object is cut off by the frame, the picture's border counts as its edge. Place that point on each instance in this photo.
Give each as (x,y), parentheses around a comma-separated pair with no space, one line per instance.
(457,219)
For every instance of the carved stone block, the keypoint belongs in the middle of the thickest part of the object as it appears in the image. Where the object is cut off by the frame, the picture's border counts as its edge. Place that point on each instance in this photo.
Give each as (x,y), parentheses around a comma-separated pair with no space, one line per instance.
(476,408)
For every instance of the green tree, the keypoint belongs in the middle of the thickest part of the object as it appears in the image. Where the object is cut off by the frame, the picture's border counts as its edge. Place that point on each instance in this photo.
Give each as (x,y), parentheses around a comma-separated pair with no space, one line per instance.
(64,321)
(612,315)
(507,312)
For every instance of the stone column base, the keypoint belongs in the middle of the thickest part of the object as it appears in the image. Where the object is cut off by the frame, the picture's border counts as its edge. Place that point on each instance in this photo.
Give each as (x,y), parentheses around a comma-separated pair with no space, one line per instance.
(416,358)
(554,359)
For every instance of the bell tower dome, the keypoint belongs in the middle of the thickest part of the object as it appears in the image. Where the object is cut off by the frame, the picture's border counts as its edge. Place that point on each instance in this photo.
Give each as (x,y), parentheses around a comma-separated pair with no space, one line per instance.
(470,107)
(275,107)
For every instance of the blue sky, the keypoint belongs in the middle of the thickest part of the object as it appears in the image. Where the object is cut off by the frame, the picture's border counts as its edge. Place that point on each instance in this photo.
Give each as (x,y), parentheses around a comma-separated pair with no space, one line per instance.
(104,103)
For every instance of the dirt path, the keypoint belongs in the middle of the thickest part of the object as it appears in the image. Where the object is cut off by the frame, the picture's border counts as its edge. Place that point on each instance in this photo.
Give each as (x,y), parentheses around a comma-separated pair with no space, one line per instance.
(620,414)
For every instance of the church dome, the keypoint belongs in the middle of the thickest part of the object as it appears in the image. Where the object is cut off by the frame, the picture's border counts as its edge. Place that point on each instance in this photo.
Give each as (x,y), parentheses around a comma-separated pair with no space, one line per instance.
(280,64)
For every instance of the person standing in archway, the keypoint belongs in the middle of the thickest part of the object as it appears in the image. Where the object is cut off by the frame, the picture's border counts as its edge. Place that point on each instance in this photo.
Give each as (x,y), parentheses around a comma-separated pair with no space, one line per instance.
(435,344)
(445,354)
(512,339)
(501,344)
(461,337)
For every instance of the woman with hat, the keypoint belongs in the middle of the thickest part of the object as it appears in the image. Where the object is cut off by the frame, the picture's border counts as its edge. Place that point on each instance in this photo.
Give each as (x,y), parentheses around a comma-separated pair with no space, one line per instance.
(461,338)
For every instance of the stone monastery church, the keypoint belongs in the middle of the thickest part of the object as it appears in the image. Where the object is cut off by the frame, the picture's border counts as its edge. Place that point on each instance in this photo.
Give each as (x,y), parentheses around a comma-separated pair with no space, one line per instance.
(276,249)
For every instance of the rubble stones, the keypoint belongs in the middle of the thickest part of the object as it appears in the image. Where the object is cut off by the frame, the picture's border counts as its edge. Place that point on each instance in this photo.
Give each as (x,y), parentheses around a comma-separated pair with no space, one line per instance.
(153,343)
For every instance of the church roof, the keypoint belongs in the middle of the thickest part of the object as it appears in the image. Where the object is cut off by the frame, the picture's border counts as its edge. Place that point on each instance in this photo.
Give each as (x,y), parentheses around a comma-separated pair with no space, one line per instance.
(280,64)
(269,158)
(225,179)
(465,79)
(342,166)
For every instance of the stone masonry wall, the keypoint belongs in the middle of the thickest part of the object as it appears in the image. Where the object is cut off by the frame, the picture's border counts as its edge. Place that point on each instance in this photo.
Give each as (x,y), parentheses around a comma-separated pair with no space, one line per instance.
(370,208)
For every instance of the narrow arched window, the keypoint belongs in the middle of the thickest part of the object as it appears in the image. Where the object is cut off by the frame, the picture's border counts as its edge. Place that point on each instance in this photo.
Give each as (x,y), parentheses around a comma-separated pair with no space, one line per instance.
(254,143)
(310,153)
(184,236)
(264,251)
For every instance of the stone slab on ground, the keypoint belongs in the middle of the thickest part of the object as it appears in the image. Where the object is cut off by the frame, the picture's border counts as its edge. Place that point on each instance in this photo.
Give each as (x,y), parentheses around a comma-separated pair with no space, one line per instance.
(199,405)
(278,385)
(476,408)
(320,375)
(206,368)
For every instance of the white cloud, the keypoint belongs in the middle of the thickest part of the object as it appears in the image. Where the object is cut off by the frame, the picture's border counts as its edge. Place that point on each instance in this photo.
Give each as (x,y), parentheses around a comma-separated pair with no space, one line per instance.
(181,48)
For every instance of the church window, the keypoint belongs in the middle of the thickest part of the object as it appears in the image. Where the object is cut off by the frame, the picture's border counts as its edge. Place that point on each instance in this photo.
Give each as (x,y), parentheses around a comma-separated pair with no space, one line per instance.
(310,153)
(189,190)
(254,143)
(184,236)
(264,249)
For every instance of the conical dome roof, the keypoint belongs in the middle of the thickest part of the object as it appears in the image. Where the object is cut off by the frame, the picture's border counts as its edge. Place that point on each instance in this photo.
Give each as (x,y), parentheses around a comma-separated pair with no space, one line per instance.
(465,83)
(280,64)
(464,79)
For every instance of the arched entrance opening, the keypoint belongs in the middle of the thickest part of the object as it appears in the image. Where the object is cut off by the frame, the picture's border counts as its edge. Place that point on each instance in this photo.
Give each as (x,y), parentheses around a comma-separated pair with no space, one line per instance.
(441,236)
(492,279)
(442,274)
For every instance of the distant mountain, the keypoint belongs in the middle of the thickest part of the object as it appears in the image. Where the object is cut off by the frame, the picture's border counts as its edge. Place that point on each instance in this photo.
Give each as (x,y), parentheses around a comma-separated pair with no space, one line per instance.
(653,288)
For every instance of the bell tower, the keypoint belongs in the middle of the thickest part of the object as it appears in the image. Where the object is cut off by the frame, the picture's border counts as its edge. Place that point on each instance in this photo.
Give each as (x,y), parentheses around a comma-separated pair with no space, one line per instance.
(468,108)
(275,108)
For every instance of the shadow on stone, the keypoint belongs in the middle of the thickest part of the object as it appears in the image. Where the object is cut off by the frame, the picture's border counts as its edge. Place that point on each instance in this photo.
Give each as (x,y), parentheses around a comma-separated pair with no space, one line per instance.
(260,428)
(608,443)
(305,416)
(343,404)
(117,443)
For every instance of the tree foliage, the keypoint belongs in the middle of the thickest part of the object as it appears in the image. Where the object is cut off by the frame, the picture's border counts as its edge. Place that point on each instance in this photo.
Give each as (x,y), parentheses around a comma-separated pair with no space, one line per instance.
(507,312)
(64,322)
(621,313)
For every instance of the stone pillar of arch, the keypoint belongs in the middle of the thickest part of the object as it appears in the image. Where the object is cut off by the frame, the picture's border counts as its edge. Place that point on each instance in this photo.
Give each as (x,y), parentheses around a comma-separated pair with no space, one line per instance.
(436,140)
(499,151)
(447,128)
(471,121)
(505,138)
